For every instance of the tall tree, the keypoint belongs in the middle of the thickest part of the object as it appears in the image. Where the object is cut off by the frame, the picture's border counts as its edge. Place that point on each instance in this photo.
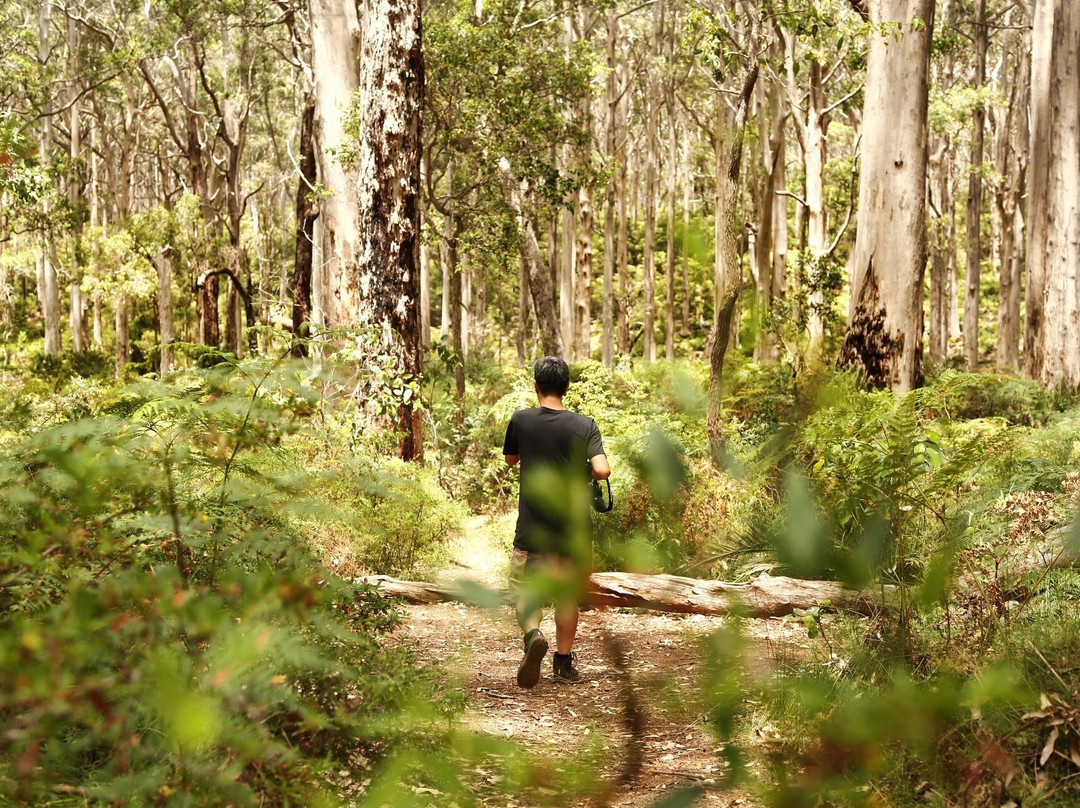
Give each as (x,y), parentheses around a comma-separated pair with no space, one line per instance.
(335,68)
(885,329)
(1052,328)
(729,270)
(981,38)
(384,292)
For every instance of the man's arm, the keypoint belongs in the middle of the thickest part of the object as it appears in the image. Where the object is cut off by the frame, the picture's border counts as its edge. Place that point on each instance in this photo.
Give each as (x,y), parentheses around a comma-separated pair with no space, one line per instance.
(512,460)
(601,469)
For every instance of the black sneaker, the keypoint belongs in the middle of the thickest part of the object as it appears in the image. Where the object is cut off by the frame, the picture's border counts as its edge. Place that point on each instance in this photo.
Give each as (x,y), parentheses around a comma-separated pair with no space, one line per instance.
(536,647)
(564,670)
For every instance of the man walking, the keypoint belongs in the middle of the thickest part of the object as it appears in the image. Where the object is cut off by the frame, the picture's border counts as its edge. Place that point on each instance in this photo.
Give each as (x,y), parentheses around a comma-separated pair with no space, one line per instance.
(555,448)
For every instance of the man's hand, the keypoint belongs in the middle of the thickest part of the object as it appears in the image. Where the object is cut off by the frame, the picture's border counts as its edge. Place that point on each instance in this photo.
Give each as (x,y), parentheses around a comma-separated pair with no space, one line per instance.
(601,470)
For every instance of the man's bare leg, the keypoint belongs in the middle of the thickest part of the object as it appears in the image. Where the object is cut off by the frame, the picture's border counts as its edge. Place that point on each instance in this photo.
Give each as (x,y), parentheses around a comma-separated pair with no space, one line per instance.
(566,621)
(528,616)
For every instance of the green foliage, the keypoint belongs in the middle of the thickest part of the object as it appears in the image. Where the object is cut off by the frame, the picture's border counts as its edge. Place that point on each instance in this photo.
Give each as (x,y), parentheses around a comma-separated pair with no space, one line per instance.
(957,395)
(389,518)
(163,635)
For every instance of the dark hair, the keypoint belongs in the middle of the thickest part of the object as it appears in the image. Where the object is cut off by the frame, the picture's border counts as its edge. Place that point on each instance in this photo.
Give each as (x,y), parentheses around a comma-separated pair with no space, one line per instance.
(552,376)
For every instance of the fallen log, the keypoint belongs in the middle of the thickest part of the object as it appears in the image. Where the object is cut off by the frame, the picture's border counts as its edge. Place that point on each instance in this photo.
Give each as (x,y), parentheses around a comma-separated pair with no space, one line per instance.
(765,596)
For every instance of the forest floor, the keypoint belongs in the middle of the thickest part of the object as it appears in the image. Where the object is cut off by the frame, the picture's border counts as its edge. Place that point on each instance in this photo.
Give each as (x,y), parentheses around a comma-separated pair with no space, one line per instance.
(480,649)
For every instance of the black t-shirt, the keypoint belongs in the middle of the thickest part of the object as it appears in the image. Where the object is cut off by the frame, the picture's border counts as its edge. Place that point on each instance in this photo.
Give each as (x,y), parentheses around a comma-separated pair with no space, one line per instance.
(557,440)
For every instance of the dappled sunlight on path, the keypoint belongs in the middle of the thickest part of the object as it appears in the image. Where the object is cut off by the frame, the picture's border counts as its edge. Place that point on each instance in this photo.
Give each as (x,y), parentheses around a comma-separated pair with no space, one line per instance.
(479,651)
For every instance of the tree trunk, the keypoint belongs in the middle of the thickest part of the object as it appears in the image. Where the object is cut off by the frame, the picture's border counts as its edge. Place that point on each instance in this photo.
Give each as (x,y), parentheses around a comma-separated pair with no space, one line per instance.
(164,265)
(974,204)
(583,274)
(541,285)
(688,185)
(814,160)
(464,303)
(123,346)
(425,269)
(765,596)
(652,148)
(611,103)
(729,269)
(445,267)
(940,242)
(565,272)
(672,192)
(383,292)
(622,325)
(233,324)
(6,321)
(773,119)
(305,227)
(77,319)
(77,309)
(1052,332)
(48,282)
(1013,167)
(885,330)
(335,67)
(457,340)
(719,211)
(522,341)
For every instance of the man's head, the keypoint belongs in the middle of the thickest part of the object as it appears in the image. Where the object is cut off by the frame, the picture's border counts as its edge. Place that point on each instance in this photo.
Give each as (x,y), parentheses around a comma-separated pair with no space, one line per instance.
(552,376)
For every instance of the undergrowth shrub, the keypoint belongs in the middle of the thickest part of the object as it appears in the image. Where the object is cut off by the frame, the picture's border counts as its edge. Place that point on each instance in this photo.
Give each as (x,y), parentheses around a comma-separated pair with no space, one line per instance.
(386,517)
(164,638)
(956,395)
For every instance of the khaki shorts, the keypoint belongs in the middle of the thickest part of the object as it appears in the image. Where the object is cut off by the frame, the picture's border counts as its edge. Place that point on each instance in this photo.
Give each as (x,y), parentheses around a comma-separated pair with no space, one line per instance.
(524,565)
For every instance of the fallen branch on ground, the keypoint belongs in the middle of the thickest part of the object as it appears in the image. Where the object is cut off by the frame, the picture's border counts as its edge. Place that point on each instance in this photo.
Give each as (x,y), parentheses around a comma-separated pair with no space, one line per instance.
(765,596)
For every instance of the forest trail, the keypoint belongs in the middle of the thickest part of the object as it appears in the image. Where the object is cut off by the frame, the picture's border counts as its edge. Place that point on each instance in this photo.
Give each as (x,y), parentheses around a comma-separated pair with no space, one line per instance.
(479,650)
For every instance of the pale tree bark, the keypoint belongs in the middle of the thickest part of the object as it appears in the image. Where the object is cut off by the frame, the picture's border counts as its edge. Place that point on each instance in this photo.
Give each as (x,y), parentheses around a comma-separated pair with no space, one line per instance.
(1012,166)
(941,241)
(164,265)
(688,187)
(565,274)
(425,269)
(583,274)
(383,292)
(672,168)
(446,268)
(773,115)
(719,211)
(885,330)
(812,132)
(48,281)
(1052,328)
(96,217)
(611,104)
(524,301)
(765,596)
(622,324)
(335,68)
(6,320)
(566,268)
(77,299)
(652,148)
(974,204)
(583,251)
(464,304)
(729,271)
(541,284)
(457,335)
(944,318)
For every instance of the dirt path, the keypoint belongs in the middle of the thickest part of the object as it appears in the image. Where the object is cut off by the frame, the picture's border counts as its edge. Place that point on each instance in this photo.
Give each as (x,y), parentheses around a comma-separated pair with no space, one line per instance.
(481,650)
